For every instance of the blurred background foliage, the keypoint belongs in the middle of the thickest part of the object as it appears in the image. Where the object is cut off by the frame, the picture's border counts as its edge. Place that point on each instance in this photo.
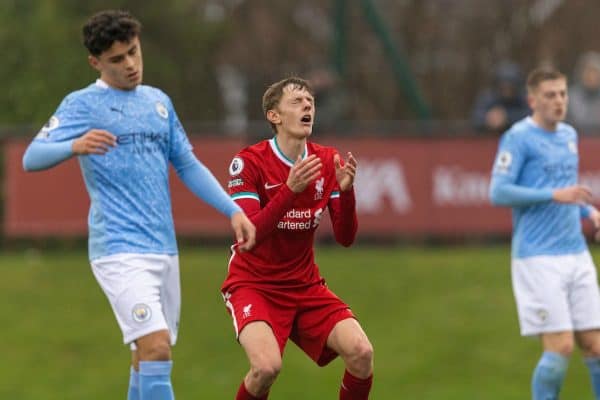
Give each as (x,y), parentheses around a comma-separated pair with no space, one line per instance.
(215,57)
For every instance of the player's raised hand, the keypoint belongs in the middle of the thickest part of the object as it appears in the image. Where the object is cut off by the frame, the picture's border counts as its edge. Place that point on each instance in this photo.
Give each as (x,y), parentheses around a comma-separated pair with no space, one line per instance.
(244,230)
(346,173)
(303,172)
(94,141)
(576,194)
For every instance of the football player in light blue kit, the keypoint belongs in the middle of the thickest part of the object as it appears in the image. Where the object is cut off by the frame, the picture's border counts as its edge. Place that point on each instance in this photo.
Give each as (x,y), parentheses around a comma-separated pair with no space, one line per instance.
(125,135)
(553,275)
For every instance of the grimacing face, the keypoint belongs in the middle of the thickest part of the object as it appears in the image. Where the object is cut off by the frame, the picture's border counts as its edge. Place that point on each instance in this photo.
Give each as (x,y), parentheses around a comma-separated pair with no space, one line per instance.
(295,113)
(121,66)
(549,102)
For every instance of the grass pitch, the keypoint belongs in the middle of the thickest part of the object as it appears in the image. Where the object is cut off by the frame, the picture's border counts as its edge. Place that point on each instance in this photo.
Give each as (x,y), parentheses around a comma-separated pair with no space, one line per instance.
(442,321)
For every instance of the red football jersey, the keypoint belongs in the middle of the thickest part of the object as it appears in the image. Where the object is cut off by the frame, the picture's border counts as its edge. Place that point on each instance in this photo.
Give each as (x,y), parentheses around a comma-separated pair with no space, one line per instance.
(285,221)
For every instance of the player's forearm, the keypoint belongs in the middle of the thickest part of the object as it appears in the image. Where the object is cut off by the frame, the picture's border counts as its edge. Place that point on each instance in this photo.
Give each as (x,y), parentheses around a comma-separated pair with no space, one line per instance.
(344,220)
(43,155)
(266,219)
(203,184)
(511,195)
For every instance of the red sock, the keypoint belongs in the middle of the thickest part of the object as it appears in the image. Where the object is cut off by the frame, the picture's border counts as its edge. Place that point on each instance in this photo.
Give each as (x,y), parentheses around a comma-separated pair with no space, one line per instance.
(243,394)
(354,388)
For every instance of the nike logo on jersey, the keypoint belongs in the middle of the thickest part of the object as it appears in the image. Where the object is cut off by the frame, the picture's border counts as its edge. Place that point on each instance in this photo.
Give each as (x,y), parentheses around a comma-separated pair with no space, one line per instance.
(116,110)
(269,186)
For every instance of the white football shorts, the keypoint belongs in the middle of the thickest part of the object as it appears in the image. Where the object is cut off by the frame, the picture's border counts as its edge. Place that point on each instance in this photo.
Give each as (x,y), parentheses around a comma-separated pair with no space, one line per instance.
(556,293)
(144,292)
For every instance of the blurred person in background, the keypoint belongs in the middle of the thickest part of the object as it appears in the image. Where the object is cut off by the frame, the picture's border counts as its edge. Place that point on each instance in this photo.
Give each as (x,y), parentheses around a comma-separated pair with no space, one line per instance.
(125,135)
(275,291)
(553,275)
(330,96)
(498,107)
(584,93)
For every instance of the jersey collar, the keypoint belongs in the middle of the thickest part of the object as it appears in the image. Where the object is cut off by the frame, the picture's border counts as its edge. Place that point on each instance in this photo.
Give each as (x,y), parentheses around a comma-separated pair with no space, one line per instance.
(101,84)
(281,156)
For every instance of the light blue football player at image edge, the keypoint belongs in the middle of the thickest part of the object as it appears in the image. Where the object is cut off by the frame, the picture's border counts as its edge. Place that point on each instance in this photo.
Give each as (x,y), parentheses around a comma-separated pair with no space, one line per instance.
(554,279)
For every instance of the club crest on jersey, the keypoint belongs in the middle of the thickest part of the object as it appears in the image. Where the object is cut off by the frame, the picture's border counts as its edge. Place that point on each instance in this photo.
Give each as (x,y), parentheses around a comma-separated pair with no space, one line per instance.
(572,147)
(236,166)
(162,110)
(503,162)
(247,310)
(141,312)
(542,315)
(319,188)
(52,124)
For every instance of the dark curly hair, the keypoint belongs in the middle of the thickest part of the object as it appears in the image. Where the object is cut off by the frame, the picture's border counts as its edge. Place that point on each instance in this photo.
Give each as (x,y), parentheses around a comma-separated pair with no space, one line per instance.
(106,27)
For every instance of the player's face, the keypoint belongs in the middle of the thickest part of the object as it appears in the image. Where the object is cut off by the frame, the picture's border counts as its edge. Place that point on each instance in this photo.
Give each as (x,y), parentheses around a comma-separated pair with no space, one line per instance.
(549,102)
(120,66)
(295,113)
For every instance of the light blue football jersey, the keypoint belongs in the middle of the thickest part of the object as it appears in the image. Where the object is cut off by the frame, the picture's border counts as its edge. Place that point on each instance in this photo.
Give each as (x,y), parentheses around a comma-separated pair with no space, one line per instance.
(130,210)
(531,157)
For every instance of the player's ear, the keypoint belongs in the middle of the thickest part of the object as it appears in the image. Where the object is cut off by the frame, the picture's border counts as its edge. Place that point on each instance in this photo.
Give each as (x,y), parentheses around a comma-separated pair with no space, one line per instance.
(531,99)
(94,62)
(273,117)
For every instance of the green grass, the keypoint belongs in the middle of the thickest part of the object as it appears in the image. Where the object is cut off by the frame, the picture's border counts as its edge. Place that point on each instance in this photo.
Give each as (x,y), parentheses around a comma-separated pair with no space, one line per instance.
(442,321)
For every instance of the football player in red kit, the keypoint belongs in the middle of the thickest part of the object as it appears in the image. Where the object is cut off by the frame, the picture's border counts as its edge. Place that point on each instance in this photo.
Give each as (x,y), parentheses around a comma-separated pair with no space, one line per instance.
(275,291)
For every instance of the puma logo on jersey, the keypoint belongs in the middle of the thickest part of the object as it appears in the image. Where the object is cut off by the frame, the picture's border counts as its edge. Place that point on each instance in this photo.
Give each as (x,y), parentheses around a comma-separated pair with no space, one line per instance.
(271,186)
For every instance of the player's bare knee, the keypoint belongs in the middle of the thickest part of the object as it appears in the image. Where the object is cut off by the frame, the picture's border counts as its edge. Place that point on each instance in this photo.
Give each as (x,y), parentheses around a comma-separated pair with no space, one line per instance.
(360,361)
(592,351)
(591,348)
(564,348)
(159,350)
(265,370)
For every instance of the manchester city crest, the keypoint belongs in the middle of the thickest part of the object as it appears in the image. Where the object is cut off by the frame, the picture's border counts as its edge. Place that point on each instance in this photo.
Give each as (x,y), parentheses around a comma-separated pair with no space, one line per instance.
(141,312)
(162,110)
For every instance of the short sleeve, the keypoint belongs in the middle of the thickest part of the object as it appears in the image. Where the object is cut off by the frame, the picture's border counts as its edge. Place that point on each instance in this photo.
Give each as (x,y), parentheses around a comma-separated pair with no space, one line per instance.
(509,158)
(179,140)
(243,178)
(71,120)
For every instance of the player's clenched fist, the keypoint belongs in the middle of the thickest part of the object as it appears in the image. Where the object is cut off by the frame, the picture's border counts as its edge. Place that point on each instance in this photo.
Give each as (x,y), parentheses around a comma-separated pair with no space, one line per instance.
(94,141)
(303,172)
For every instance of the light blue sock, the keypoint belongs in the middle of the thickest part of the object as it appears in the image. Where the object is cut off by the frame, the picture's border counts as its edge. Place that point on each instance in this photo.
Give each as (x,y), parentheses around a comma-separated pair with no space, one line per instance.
(134,385)
(155,380)
(593,364)
(548,376)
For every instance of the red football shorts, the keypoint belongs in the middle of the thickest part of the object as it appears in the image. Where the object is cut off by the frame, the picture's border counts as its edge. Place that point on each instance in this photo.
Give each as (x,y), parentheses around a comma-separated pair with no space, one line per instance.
(306,316)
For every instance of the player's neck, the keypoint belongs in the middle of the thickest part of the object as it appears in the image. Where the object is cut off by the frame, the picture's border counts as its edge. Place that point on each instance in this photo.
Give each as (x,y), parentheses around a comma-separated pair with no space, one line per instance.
(545,125)
(290,146)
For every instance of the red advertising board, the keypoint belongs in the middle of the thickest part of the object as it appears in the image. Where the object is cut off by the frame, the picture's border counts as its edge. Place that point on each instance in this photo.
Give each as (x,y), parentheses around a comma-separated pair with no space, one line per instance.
(405,186)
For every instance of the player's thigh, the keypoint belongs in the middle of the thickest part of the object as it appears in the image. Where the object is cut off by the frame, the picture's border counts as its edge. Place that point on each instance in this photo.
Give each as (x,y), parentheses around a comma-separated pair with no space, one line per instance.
(261,346)
(584,295)
(349,339)
(135,285)
(540,286)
